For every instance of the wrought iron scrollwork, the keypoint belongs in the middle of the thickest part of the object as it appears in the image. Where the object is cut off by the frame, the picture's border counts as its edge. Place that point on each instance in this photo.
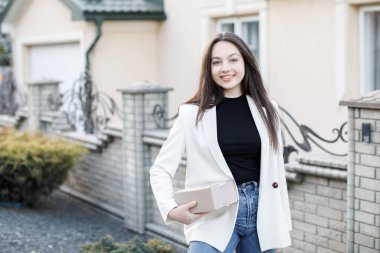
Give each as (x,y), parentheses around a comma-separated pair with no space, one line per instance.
(54,101)
(306,132)
(11,99)
(308,136)
(159,119)
(85,105)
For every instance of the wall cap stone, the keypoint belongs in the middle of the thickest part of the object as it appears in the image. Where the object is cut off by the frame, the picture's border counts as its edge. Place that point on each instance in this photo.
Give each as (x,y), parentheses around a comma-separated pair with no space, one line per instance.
(43,81)
(160,134)
(144,87)
(90,141)
(13,121)
(324,160)
(370,100)
(7,121)
(114,129)
(316,171)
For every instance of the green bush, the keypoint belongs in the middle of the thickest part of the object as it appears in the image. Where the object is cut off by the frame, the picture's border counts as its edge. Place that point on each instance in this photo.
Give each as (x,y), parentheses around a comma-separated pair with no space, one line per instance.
(136,245)
(160,246)
(32,164)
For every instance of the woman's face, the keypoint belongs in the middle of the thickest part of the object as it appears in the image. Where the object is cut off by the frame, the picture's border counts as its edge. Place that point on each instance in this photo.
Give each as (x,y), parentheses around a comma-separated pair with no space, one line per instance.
(227,68)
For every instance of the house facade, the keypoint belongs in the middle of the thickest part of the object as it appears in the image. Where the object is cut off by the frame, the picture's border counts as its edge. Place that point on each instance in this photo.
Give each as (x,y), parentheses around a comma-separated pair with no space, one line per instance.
(310,52)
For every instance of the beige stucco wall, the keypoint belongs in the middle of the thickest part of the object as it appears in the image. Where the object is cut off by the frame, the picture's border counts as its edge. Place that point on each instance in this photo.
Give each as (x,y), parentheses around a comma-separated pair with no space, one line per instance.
(303,59)
(179,54)
(302,62)
(126,52)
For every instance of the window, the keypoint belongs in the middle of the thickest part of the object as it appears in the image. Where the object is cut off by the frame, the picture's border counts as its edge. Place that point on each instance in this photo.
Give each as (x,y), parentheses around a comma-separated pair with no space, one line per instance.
(246,28)
(370,49)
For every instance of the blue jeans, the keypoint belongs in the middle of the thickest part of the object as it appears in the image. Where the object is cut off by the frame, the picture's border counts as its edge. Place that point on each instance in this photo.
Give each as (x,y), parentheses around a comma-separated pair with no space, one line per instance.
(244,237)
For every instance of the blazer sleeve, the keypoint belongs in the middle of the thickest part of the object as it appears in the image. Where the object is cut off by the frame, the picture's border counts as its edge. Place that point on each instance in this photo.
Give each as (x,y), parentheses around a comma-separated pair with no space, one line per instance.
(282,174)
(164,168)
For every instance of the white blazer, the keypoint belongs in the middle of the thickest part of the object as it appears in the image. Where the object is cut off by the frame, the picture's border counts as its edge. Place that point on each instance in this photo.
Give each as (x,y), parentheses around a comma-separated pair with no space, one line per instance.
(206,165)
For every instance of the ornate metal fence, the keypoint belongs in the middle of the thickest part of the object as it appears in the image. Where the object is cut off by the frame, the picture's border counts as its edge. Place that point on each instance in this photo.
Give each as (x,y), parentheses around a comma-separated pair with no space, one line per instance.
(10,97)
(85,106)
(308,135)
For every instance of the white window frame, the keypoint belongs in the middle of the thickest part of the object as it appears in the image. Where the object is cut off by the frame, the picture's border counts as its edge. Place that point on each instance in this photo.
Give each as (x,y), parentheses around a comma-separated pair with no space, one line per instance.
(237,22)
(363,11)
(238,28)
(223,21)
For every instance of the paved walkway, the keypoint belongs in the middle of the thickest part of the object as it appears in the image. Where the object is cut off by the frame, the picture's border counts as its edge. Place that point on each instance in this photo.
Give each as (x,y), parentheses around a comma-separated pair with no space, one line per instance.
(61,224)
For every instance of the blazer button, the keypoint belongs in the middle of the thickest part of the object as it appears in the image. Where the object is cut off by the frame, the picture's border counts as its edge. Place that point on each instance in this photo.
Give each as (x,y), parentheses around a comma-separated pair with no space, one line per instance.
(275,185)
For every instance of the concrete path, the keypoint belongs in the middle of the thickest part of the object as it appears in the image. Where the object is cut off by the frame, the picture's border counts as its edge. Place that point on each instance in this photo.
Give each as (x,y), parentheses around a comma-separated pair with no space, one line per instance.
(60,224)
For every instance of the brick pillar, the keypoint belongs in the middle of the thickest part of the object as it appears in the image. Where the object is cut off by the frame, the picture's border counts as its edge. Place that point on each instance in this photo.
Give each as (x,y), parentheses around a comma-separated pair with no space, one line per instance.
(38,93)
(138,102)
(363,177)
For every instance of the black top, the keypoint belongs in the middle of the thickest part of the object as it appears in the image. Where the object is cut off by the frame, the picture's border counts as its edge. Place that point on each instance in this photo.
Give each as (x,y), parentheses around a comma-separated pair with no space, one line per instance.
(239,139)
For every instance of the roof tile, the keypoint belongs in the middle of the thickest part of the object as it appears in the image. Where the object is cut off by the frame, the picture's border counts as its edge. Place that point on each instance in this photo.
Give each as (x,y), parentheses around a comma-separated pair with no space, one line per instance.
(119,6)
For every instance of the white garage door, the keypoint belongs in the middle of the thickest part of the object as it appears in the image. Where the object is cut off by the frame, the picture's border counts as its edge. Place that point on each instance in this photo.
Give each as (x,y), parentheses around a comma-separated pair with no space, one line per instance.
(61,62)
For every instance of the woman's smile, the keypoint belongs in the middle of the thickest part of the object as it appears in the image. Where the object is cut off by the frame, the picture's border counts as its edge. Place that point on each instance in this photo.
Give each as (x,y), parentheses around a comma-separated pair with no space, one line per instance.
(227,78)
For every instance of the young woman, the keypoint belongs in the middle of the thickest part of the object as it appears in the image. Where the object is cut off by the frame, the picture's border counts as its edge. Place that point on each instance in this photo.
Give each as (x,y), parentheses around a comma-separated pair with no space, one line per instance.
(229,130)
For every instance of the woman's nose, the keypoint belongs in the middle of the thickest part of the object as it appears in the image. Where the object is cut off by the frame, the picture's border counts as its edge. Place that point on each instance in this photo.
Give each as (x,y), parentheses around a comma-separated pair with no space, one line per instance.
(225,67)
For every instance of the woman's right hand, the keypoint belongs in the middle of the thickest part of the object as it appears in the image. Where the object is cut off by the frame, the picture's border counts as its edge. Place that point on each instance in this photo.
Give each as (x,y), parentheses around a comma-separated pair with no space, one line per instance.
(183,214)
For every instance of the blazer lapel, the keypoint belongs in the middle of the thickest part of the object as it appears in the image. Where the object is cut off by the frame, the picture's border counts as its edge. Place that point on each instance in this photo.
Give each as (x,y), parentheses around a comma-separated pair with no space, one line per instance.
(261,127)
(208,124)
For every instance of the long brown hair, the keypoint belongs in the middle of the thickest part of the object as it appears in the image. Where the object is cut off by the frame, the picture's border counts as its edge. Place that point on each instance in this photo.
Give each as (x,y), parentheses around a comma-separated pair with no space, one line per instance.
(210,94)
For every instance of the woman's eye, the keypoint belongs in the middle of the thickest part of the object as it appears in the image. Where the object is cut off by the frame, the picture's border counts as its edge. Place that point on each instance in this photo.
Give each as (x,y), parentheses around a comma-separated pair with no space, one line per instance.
(234,60)
(216,62)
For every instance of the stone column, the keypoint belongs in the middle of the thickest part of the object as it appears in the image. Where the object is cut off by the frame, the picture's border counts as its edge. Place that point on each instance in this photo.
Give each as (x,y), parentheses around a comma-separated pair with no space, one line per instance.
(363,177)
(38,93)
(138,103)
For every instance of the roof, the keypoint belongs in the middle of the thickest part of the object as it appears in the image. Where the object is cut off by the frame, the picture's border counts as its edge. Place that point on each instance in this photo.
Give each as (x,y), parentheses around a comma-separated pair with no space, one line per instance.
(118,6)
(3,4)
(4,7)
(117,9)
(106,9)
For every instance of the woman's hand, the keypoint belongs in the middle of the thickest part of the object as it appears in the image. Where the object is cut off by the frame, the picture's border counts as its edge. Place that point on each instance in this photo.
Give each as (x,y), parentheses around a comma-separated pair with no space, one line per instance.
(183,214)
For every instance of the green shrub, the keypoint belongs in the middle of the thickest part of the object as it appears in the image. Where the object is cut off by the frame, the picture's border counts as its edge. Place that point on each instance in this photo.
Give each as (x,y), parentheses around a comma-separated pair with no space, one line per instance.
(32,164)
(135,245)
(105,245)
(159,246)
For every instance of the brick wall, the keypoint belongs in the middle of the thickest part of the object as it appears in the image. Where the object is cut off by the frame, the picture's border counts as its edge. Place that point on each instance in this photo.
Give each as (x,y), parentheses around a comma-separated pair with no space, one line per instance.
(363,181)
(318,209)
(155,226)
(99,178)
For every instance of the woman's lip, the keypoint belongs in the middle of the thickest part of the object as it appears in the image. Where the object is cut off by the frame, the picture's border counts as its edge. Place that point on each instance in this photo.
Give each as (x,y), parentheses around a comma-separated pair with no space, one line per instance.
(227,77)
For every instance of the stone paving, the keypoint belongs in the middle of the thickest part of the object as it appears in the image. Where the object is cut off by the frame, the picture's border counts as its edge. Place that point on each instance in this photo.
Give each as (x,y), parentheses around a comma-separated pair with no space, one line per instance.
(60,224)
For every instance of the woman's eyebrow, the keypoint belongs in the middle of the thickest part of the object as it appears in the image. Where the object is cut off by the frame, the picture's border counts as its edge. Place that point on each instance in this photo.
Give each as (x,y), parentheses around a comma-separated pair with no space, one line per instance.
(217,57)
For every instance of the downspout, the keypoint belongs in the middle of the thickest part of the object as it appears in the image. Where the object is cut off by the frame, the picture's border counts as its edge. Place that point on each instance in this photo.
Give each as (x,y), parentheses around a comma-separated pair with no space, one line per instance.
(98,23)
(87,106)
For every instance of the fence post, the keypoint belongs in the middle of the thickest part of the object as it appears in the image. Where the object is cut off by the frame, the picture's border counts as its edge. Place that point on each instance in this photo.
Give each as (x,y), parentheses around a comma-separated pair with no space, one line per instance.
(138,101)
(363,175)
(38,93)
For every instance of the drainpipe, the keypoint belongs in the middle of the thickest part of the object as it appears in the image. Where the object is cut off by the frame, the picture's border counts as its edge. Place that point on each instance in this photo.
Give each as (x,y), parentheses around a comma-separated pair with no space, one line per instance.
(98,23)
(87,106)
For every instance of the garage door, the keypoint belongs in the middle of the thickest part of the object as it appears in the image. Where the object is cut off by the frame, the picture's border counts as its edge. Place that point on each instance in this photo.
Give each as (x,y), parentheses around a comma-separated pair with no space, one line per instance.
(61,62)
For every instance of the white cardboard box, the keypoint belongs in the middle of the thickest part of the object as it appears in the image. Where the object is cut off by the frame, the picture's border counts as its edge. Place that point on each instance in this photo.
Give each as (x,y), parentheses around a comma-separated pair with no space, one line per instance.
(208,198)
